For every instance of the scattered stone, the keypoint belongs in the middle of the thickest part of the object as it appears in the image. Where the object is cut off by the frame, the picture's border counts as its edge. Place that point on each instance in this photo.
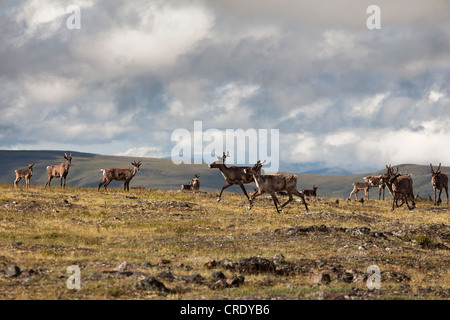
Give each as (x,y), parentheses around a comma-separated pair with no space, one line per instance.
(218,285)
(334,296)
(152,284)
(235,281)
(166,275)
(164,261)
(278,258)
(12,271)
(218,275)
(136,275)
(96,277)
(146,265)
(226,263)
(347,277)
(122,267)
(196,278)
(211,264)
(321,278)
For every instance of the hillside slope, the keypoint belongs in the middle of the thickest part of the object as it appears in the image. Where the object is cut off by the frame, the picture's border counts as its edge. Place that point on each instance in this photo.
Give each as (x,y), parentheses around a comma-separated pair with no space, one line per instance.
(163,174)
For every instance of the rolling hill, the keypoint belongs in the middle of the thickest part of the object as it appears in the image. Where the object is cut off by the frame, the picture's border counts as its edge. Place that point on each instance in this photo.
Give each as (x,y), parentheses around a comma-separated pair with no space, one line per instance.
(163,174)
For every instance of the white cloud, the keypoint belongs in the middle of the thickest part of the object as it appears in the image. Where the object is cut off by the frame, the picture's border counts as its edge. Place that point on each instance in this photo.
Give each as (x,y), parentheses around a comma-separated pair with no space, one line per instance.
(342,138)
(435,96)
(163,34)
(43,19)
(51,89)
(368,106)
(154,152)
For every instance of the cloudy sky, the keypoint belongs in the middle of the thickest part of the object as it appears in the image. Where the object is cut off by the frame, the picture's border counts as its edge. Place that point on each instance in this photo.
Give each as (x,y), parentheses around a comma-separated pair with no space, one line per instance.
(339,93)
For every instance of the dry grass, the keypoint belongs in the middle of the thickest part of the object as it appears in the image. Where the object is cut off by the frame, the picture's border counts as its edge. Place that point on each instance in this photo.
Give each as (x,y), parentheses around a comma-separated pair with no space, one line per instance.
(48,230)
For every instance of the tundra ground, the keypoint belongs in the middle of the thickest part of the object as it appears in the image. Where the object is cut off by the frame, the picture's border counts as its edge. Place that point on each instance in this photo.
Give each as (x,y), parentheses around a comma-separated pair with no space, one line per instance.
(181,245)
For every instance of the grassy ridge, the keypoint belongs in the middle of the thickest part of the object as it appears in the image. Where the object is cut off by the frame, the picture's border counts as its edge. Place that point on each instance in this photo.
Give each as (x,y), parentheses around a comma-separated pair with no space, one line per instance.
(163,174)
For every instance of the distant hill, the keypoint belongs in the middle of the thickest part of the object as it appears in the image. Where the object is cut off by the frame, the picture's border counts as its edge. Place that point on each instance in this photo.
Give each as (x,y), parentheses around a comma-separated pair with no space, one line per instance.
(163,174)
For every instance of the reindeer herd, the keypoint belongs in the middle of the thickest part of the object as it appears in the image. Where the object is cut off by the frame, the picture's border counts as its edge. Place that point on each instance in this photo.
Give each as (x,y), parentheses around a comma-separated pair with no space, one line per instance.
(400,186)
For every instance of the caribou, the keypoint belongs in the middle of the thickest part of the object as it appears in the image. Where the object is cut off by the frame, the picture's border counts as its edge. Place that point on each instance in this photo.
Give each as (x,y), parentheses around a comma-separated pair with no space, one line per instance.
(376,181)
(272,184)
(439,181)
(194,185)
(59,171)
(25,173)
(400,186)
(118,174)
(358,186)
(310,192)
(233,175)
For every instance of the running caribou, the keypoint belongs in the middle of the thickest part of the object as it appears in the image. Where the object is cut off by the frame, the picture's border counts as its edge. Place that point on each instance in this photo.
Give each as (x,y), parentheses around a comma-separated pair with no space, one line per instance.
(400,186)
(118,174)
(233,175)
(272,184)
(439,181)
(59,171)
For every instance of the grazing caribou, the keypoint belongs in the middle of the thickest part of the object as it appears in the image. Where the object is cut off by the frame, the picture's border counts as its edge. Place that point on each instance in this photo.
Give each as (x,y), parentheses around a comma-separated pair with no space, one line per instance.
(358,186)
(25,173)
(376,181)
(59,171)
(117,174)
(439,181)
(233,175)
(272,184)
(310,192)
(194,185)
(401,187)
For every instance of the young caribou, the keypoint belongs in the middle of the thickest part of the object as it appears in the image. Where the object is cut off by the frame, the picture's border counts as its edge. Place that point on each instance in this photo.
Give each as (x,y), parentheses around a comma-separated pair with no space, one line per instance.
(25,173)
(310,192)
(439,181)
(117,174)
(358,186)
(272,184)
(59,171)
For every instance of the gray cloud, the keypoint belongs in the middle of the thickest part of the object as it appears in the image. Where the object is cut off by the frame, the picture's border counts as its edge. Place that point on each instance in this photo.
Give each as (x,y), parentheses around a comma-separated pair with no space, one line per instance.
(137,70)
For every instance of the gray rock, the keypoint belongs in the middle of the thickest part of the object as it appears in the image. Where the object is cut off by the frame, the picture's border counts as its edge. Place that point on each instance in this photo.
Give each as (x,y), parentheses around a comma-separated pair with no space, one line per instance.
(152,284)
(95,277)
(218,275)
(12,271)
(123,266)
(321,278)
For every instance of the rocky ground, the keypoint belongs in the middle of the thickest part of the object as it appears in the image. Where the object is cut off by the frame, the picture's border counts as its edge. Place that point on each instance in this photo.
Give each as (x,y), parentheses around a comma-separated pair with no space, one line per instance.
(156,244)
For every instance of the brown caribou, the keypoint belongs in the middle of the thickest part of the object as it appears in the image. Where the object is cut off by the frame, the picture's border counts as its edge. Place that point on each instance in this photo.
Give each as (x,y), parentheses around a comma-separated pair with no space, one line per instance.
(439,181)
(119,174)
(24,173)
(376,181)
(233,175)
(400,186)
(310,192)
(59,171)
(194,185)
(272,184)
